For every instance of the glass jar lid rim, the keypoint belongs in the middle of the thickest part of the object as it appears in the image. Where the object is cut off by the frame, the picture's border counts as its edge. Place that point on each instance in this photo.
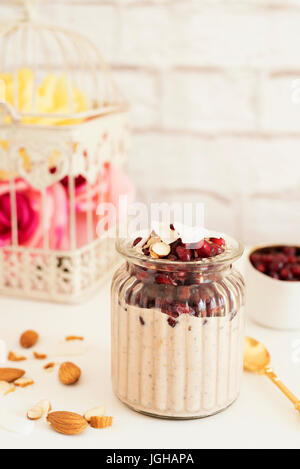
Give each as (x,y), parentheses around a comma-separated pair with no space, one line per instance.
(234,250)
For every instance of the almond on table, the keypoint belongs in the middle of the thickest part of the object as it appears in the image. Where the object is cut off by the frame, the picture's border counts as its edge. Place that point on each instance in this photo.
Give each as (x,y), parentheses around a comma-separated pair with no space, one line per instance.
(160,250)
(6,388)
(50,366)
(39,356)
(10,374)
(29,338)
(14,357)
(95,412)
(101,422)
(69,373)
(71,338)
(67,423)
(24,382)
(39,410)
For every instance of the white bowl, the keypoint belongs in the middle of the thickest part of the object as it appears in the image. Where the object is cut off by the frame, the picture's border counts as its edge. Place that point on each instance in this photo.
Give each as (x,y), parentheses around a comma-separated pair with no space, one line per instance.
(270,302)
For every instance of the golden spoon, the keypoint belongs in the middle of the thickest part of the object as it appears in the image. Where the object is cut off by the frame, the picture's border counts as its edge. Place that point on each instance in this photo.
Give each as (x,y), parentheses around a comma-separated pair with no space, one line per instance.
(257,359)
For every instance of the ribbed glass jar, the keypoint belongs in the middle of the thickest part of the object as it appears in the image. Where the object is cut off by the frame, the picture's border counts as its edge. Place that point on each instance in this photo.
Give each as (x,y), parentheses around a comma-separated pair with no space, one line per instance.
(177,333)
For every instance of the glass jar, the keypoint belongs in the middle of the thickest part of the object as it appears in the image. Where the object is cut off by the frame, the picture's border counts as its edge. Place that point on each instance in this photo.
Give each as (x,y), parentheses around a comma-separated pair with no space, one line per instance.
(177,333)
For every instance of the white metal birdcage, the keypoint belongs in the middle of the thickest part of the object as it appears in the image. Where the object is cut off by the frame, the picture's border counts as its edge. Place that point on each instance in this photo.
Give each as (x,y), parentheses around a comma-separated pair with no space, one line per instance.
(63,122)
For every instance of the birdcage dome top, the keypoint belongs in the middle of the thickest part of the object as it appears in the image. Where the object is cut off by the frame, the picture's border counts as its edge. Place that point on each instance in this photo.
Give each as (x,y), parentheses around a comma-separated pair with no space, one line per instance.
(49,74)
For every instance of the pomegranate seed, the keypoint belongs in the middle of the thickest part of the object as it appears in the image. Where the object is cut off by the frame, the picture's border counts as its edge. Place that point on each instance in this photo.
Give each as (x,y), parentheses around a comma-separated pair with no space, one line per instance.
(194,245)
(183,254)
(289,251)
(255,258)
(143,276)
(146,252)
(183,309)
(275,276)
(218,249)
(262,268)
(164,280)
(282,257)
(184,293)
(206,250)
(172,258)
(296,270)
(219,241)
(286,274)
(172,322)
(276,266)
(137,241)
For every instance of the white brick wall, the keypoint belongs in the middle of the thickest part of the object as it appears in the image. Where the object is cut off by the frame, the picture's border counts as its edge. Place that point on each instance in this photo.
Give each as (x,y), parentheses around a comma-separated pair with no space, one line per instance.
(210,83)
(203,101)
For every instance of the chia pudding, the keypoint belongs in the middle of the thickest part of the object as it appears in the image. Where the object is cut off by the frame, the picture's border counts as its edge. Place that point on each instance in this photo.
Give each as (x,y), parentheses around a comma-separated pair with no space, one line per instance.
(178,326)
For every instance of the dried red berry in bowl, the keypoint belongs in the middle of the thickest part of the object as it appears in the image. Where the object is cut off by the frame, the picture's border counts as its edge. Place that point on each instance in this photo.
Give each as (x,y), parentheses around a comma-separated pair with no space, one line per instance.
(278,262)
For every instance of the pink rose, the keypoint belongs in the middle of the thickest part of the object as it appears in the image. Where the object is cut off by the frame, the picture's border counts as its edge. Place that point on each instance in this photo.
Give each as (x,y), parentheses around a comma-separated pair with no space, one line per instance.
(26,216)
(30,209)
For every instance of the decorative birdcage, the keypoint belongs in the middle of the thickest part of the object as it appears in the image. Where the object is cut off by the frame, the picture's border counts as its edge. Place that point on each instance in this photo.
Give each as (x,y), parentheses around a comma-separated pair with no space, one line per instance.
(63,148)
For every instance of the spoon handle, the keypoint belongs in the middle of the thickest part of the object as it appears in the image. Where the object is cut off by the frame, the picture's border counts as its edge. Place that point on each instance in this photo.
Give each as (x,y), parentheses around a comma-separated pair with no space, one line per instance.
(269,372)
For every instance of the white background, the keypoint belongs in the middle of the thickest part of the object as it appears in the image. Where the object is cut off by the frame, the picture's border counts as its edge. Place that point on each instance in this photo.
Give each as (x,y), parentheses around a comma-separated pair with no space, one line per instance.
(261,418)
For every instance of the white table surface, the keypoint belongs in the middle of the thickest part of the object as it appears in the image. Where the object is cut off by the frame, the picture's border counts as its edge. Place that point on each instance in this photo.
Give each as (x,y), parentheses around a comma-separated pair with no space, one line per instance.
(261,418)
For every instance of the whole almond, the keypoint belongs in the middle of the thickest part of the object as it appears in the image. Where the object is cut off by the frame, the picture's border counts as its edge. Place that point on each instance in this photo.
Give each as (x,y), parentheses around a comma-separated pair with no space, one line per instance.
(28,339)
(69,373)
(11,374)
(67,423)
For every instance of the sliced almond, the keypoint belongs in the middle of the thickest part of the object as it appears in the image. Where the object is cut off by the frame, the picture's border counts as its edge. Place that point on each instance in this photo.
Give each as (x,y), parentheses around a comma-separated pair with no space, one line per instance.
(24,382)
(12,389)
(35,413)
(10,374)
(6,388)
(69,373)
(95,412)
(39,356)
(28,339)
(160,250)
(165,232)
(50,367)
(14,357)
(153,239)
(70,338)
(39,410)
(46,406)
(101,422)
(67,423)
